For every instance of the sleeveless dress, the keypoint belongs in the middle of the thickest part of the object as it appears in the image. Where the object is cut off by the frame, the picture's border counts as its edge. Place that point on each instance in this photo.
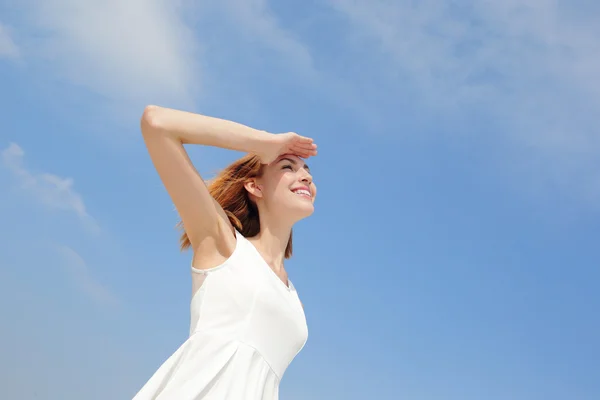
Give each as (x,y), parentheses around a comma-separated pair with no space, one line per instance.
(247,325)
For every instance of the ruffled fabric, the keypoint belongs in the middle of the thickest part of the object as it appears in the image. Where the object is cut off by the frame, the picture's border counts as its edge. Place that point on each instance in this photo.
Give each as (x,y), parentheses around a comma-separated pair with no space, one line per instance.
(235,371)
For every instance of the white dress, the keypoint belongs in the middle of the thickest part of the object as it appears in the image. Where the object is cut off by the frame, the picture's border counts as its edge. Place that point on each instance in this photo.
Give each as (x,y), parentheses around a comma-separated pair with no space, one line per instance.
(246,328)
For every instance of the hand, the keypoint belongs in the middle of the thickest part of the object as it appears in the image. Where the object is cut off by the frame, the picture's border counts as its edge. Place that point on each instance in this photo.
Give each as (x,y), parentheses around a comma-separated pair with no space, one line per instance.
(286,143)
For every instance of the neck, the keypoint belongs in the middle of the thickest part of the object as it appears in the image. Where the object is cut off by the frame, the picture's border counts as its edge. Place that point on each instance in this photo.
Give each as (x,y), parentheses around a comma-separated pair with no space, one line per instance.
(272,240)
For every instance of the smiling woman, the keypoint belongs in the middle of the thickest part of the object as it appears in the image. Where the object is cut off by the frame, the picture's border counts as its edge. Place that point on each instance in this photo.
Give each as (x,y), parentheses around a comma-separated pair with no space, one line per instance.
(247,322)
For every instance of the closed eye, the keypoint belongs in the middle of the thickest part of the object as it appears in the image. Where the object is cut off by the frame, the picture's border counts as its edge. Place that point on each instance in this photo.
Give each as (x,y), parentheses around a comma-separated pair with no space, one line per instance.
(287,166)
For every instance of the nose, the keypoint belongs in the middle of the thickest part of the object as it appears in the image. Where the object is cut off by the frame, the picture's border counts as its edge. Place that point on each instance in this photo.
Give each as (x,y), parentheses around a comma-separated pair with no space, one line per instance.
(306,177)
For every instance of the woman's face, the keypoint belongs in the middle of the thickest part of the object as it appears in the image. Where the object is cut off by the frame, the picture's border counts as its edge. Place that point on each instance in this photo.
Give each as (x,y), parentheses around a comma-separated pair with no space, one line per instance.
(287,187)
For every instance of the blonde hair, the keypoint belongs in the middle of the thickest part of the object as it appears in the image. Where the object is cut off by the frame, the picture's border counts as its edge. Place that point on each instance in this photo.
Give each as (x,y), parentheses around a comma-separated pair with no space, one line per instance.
(227,188)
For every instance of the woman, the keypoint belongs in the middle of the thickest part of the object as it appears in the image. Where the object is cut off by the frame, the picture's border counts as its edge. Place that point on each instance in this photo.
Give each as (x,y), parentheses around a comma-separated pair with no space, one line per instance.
(247,322)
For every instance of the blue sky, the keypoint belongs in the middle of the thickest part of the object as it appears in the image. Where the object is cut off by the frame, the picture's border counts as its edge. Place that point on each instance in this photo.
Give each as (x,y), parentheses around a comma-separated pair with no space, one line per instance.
(451,255)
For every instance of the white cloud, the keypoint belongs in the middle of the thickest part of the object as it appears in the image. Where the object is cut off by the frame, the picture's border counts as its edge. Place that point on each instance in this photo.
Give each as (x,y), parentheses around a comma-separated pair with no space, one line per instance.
(476,45)
(49,189)
(148,51)
(78,270)
(133,51)
(8,48)
(532,67)
(259,22)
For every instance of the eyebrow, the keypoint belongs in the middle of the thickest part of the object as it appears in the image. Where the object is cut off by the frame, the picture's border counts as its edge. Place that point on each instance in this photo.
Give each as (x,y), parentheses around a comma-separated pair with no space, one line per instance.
(306,167)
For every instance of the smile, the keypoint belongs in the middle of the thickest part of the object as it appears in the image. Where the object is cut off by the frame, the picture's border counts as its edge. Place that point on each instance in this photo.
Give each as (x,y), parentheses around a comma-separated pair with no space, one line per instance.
(303,193)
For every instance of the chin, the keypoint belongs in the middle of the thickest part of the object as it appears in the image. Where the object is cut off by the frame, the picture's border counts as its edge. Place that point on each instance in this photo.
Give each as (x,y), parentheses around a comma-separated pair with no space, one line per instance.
(294,208)
(304,212)
(308,211)
(299,211)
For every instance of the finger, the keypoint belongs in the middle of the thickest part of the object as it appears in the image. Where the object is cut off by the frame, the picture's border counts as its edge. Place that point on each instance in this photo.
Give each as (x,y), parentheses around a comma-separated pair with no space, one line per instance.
(305,148)
(302,150)
(302,154)
(303,139)
(308,154)
(305,145)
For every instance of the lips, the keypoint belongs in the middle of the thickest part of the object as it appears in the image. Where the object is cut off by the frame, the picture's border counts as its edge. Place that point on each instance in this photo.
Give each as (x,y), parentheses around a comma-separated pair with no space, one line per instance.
(303,191)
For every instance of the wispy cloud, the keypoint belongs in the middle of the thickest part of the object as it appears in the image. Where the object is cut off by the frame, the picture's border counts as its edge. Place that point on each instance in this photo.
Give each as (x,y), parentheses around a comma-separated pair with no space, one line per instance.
(258,21)
(8,48)
(81,275)
(532,68)
(51,190)
(143,51)
(468,51)
(135,51)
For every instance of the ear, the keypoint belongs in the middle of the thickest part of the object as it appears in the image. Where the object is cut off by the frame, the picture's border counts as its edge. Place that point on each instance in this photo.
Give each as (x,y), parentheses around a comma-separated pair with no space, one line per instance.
(253,187)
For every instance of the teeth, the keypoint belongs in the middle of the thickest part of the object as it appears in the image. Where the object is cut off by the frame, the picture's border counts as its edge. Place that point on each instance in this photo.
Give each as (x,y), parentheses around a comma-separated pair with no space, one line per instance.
(304,192)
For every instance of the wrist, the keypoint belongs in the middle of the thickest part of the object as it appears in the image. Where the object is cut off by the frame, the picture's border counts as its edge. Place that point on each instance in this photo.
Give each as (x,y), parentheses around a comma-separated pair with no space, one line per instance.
(262,140)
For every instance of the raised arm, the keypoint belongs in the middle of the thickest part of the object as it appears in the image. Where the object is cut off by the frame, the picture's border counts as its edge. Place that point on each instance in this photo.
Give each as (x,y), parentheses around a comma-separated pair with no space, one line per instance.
(165,131)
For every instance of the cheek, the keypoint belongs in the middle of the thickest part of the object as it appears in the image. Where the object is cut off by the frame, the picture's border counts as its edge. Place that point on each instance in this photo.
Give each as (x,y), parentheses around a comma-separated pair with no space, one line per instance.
(277,186)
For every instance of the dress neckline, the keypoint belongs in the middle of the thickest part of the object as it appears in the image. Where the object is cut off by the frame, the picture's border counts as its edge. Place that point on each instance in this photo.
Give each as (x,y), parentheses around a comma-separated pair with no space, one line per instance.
(287,286)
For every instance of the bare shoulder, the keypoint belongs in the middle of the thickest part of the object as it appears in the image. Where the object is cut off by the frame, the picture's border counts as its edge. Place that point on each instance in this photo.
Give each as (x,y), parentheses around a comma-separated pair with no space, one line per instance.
(214,250)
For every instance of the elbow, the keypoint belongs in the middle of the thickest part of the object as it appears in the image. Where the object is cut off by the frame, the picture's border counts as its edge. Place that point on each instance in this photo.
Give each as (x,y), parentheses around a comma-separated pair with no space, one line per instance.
(150,121)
